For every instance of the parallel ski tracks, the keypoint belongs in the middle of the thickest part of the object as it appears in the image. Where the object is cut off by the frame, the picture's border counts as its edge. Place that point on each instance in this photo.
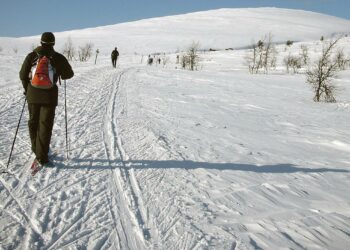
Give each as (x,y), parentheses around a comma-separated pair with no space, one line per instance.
(125,189)
(129,224)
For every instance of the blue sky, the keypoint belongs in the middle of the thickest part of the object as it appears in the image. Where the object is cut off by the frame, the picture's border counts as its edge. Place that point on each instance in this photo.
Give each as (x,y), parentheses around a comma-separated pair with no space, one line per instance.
(24,18)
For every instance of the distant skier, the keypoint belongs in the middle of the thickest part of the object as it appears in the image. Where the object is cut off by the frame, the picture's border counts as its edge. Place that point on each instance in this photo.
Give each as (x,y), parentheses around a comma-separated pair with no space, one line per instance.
(39,74)
(114,57)
(150,60)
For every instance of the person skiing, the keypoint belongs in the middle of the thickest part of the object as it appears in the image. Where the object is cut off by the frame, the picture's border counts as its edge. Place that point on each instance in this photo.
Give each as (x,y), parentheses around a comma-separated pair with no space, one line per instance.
(42,93)
(114,57)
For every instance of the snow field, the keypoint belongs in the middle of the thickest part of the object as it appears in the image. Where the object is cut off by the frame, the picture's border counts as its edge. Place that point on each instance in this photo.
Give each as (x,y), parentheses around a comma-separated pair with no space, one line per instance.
(163,158)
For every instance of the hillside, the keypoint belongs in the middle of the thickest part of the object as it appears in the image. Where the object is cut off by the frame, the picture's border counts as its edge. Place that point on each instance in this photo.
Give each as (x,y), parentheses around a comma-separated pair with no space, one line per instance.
(219,29)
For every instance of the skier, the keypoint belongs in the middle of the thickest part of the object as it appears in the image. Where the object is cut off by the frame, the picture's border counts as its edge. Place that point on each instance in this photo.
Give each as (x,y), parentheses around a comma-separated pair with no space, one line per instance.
(114,57)
(150,60)
(43,94)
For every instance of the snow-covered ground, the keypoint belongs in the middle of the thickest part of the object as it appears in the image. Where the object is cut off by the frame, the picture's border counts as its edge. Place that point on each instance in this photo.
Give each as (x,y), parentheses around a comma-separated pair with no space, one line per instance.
(163,158)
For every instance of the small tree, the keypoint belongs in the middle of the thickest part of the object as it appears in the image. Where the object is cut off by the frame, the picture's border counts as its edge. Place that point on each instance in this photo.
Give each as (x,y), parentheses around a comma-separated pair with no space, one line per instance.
(341,60)
(293,62)
(263,56)
(165,60)
(304,54)
(190,59)
(85,52)
(269,53)
(251,58)
(321,74)
(184,61)
(255,59)
(273,59)
(69,50)
(260,55)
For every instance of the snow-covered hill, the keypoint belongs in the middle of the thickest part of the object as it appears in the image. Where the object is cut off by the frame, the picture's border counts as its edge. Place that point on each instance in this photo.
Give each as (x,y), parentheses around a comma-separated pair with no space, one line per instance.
(219,29)
(163,158)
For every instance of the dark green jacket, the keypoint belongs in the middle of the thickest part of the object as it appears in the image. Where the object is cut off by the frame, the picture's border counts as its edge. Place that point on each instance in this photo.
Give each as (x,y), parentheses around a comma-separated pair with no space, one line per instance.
(63,70)
(115,54)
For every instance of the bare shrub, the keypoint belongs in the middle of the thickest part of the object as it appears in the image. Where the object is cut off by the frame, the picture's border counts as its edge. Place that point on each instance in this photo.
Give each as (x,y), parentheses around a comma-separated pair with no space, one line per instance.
(165,60)
(254,58)
(251,58)
(267,53)
(341,60)
(292,62)
(15,50)
(262,55)
(273,58)
(304,54)
(190,59)
(85,52)
(69,50)
(320,76)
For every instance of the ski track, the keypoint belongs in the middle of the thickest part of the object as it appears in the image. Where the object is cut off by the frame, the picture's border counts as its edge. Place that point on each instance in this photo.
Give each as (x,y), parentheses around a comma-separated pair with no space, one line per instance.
(124,180)
(38,226)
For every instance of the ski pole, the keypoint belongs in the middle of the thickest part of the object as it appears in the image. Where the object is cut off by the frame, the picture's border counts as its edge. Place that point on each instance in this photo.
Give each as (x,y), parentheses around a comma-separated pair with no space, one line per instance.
(65,114)
(14,139)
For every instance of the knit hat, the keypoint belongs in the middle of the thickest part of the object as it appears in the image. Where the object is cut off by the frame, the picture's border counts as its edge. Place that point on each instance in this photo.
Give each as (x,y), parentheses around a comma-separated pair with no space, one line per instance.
(48,38)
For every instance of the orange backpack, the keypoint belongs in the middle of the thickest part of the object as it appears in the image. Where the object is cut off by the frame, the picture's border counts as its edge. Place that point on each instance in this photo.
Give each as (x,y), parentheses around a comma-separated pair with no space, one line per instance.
(43,74)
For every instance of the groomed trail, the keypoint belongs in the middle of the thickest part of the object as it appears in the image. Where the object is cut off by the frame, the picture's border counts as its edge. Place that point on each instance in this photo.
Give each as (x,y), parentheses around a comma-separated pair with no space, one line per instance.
(168,159)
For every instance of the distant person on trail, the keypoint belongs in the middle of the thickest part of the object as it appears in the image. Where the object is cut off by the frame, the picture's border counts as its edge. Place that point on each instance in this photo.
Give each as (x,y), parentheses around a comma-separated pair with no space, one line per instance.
(150,60)
(114,57)
(40,71)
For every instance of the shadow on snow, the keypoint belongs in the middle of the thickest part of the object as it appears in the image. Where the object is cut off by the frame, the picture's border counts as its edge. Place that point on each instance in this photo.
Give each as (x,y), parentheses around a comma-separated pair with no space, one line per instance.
(102,164)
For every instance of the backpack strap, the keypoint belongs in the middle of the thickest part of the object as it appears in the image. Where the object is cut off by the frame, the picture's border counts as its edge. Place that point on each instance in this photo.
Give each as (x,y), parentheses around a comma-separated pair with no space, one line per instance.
(35,59)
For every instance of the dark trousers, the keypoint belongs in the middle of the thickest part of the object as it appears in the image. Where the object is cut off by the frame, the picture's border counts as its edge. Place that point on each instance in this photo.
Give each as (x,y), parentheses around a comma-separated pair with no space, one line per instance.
(114,62)
(40,124)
